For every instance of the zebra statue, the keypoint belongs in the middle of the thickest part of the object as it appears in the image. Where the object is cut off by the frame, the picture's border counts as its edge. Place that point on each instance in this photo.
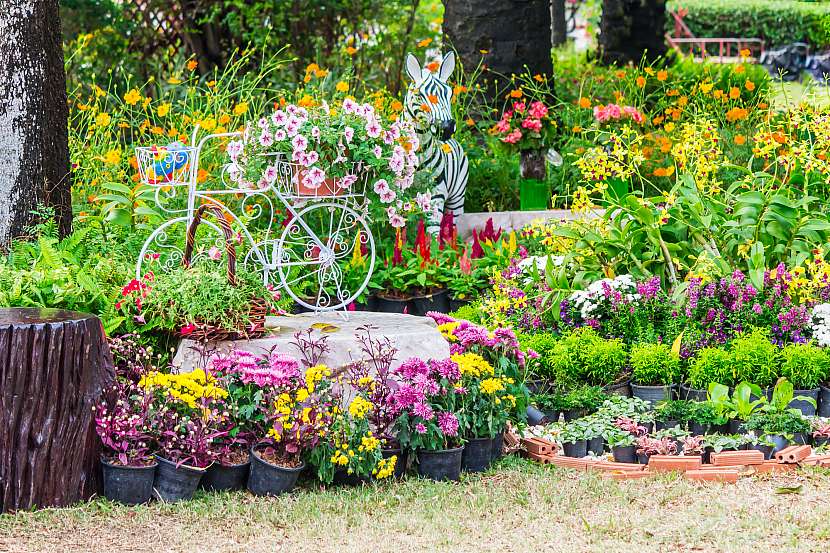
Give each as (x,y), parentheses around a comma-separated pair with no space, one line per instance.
(428,105)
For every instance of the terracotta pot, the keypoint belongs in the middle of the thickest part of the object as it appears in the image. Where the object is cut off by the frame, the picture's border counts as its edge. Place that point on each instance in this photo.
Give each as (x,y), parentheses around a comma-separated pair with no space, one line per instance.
(329,187)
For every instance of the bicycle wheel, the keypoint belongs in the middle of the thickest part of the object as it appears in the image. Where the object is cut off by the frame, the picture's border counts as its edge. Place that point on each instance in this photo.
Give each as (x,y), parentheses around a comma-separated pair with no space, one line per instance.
(164,248)
(316,259)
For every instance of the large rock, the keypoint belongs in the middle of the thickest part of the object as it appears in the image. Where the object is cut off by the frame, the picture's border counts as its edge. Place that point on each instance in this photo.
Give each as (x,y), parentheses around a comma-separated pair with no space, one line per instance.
(413,336)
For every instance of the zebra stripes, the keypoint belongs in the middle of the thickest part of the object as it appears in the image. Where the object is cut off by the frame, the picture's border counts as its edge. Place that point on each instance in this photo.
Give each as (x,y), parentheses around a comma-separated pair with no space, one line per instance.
(429,105)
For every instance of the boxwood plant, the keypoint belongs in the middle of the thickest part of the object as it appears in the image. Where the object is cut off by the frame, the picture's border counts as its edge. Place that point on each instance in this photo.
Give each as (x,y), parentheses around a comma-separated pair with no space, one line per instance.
(582,356)
(710,365)
(654,365)
(805,365)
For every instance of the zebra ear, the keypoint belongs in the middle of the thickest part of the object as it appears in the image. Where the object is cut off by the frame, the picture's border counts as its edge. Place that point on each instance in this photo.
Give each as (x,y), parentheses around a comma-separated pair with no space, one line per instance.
(447,66)
(413,68)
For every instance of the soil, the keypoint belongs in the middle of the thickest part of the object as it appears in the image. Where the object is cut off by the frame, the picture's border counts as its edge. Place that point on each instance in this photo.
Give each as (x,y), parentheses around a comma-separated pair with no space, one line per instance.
(115,462)
(234,458)
(394,295)
(272,456)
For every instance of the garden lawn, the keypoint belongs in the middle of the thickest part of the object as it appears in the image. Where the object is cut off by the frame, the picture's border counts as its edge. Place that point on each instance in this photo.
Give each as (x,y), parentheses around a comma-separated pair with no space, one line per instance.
(519,506)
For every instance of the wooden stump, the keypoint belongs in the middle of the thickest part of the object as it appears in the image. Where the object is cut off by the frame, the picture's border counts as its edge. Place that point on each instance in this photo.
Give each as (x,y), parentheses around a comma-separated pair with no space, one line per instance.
(54,365)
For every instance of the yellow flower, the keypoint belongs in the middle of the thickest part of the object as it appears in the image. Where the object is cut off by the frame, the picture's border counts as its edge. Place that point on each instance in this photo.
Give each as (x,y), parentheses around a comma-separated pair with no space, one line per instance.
(424,43)
(662,75)
(734,93)
(359,407)
(584,102)
(351,50)
(472,364)
(342,86)
(132,97)
(192,64)
(241,108)
(103,119)
(491,385)
(112,157)
(163,109)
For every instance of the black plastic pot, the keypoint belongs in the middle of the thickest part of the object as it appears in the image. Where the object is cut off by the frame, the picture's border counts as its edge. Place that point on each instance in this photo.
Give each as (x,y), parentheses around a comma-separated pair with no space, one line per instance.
(698,429)
(498,446)
(268,479)
(343,478)
(718,429)
(477,455)
(393,305)
(780,442)
(552,415)
(573,414)
(437,301)
(692,394)
(805,407)
(824,401)
(765,449)
(535,417)
(537,385)
(226,478)
(736,426)
(800,438)
(652,394)
(443,464)
(577,449)
(176,483)
(456,304)
(400,463)
(820,440)
(619,388)
(128,485)
(662,425)
(642,458)
(625,453)
(596,445)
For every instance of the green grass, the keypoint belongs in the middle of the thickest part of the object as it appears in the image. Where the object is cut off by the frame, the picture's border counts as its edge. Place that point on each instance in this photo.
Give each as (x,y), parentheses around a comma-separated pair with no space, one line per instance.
(519,506)
(791,94)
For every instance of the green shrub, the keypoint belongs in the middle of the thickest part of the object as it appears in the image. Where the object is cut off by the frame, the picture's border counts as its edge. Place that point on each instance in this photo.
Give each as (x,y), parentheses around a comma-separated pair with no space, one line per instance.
(710,365)
(784,422)
(654,365)
(584,357)
(542,343)
(778,22)
(755,359)
(471,312)
(805,365)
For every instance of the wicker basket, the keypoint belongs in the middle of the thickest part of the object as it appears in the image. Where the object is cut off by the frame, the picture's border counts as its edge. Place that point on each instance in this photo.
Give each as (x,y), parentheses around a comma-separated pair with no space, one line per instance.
(205,331)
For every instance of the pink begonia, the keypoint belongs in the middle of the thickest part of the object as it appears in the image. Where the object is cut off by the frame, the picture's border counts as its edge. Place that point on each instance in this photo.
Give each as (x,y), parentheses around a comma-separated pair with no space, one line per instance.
(519,107)
(538,110)
(513,137)
(532,124)
(632,112)
(503,126)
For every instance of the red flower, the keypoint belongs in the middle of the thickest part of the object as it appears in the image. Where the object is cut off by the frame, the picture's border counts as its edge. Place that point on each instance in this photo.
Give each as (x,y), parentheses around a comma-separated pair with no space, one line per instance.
(187,329)
(477,250)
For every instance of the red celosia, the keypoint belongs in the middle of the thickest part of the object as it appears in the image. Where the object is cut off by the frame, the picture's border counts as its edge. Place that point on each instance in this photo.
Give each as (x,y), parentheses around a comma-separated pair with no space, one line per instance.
(477,251)
(448,234)
(397,252)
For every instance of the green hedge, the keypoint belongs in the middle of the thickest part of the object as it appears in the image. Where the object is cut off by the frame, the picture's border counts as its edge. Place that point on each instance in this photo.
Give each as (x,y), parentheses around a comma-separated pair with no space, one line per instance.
(778,22)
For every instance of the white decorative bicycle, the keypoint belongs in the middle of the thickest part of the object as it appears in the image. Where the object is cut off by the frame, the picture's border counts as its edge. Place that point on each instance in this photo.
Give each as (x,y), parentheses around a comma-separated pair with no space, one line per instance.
(324,255)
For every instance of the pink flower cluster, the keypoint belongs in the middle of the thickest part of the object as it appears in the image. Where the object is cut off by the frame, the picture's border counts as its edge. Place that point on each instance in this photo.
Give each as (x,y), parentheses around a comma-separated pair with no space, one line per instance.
(524,117)
(276,369)
(423,389)
(472,337)
(615,112)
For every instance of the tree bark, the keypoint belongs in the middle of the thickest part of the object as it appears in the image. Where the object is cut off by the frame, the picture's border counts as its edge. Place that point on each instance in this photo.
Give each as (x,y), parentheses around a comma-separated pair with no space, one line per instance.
(631,29)
(34,143)
(514,33)
(54,366)
(559,23)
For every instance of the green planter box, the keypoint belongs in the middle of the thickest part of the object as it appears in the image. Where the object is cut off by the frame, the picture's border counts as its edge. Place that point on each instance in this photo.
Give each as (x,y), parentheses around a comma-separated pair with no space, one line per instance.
(534,195)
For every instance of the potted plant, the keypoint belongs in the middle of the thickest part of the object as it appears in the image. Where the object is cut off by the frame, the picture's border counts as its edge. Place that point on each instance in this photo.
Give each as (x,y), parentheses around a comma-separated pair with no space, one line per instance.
(248,379)
(527,126)
(186,411)
(821,432)
(298,416)
(719,400)
(692,445)
(673,433)
(806,366)
(594,433)
(623,445)
(429,401)
(703,418)
(755,359)
(710,365)
(742,405)
(762,443)
(715,443)
(483,404)
(574,438)
(655,371)
(648,446)
(121,422)
(583,357)
(464,281)
(673,413)
(582,401)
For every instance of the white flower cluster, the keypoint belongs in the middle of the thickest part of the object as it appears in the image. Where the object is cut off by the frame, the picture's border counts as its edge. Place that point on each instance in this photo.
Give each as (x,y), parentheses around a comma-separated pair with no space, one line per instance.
(541,262)
(821,324)
(590,300)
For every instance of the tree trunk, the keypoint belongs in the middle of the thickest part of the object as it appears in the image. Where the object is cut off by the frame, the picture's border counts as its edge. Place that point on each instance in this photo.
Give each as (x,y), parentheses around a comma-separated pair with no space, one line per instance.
(54,366)
(559,22)
(34,143)
(631,29)
(514,33)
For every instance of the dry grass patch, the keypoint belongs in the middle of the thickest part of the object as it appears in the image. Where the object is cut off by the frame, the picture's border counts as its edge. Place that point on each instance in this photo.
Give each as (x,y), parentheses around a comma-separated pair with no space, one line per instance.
(509,509)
